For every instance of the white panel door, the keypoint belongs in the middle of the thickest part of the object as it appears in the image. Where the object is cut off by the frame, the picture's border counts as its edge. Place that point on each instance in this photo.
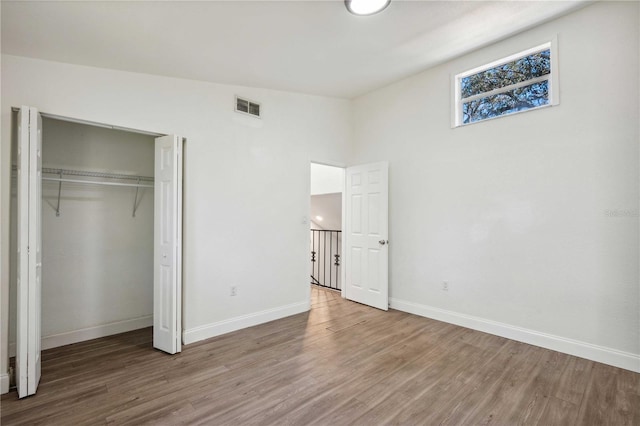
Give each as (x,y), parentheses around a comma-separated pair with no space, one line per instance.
(366,228)
(29,275)
(167,264)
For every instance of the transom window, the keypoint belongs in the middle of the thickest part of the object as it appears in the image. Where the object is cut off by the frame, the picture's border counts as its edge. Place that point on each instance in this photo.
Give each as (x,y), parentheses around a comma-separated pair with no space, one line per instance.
(520,82)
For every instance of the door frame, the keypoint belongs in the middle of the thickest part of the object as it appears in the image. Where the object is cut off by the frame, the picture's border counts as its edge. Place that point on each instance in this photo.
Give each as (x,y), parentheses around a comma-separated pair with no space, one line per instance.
(343,273)
(345,234)
(44,114)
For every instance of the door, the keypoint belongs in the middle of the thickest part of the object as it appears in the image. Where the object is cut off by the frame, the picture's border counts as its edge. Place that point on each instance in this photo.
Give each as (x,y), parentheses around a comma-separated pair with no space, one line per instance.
(29,251)
(366,226)
(167,264)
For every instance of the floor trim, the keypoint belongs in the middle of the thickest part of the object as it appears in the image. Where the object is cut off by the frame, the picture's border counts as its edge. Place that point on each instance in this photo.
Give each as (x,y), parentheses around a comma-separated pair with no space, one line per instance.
(89,333)
(221,327)
(614,357)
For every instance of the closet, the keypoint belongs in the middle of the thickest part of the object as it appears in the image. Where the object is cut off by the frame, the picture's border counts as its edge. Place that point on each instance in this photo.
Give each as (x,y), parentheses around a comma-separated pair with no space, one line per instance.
(97,232)
(96,248)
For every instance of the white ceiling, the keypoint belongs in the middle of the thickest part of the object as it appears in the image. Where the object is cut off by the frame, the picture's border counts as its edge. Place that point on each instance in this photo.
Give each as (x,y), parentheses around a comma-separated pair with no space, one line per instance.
(308,46)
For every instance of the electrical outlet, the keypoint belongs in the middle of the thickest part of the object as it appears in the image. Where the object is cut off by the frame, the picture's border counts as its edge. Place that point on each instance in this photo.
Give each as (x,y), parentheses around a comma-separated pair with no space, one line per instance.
(234,290)
(445,285)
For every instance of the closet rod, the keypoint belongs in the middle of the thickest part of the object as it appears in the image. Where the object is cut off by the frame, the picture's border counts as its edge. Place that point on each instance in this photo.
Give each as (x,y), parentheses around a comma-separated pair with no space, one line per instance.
(93,182)
(148,181)
(68,172)
(105,175)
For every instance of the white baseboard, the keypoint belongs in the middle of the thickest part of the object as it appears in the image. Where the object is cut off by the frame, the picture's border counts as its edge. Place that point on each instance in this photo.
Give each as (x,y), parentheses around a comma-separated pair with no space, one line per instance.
(103,330)
(217,328)
(4,383)
(616,358)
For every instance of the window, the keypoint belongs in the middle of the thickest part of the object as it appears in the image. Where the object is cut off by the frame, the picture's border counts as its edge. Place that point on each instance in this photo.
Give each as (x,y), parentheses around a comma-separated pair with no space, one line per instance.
(520,82)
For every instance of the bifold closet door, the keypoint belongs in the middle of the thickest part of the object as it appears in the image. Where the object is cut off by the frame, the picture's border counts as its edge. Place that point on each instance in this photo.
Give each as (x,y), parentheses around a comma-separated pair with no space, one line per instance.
(29,276)
(167,263)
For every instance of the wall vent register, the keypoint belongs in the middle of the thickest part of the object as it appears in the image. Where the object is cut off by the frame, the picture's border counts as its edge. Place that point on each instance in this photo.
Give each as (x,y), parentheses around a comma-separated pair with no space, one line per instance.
(246,106)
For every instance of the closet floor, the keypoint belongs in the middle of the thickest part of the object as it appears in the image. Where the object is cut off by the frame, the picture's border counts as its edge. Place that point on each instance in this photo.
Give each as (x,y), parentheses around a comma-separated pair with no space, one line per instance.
(340,363)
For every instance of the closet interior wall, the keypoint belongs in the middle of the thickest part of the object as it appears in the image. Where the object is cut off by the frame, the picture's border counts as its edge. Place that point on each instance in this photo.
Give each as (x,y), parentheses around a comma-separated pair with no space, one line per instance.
(97,272)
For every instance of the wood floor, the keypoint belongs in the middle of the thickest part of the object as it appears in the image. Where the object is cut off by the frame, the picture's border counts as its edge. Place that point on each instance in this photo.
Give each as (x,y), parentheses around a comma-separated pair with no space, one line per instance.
(342,363)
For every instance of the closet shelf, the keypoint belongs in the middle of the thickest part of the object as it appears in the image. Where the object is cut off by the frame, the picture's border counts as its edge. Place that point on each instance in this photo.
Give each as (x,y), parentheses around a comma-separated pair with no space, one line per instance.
(94,182)
(98,175)
(103,175)
(85,173)
(72,175)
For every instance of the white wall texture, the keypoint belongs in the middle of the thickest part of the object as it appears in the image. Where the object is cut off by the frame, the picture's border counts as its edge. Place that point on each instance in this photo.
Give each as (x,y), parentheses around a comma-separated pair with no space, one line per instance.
(515,213)
(329,208)
(326,179)
(97,258)
(246,180)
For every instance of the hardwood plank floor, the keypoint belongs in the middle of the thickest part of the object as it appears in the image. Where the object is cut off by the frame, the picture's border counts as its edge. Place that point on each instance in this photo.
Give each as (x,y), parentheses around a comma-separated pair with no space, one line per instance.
(341,363)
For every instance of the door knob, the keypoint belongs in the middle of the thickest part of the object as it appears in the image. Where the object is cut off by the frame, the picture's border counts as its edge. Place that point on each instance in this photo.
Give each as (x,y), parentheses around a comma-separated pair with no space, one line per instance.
(383,242)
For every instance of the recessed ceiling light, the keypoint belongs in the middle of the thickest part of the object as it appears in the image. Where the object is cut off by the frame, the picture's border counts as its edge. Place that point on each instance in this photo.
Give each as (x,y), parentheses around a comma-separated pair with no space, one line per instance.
(319,218)
(366,7)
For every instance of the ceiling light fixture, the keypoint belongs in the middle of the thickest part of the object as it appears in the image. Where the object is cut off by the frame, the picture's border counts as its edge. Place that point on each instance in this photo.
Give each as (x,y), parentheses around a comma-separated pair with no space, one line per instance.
(319,218)
(366,7)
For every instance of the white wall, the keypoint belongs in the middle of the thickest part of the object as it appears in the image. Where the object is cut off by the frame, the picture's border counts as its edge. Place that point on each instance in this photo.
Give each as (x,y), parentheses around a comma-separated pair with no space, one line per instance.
(246,194)
(97,260)
(326,179)
(314,225)
(513,212)
(329,208)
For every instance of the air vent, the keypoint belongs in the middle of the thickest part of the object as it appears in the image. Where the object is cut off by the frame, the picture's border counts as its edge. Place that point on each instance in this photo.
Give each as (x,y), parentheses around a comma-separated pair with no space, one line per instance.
(246,106)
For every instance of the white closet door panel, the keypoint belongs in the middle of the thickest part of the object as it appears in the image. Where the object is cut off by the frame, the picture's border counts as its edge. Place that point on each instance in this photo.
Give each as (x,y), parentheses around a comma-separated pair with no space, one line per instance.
(167,314)
(22,311)
(28,338)
(35,248)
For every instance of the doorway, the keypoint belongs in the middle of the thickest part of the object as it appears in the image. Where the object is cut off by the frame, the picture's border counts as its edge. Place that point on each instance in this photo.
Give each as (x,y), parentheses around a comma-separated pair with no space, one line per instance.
(363,234)
(326,219)
(96,244)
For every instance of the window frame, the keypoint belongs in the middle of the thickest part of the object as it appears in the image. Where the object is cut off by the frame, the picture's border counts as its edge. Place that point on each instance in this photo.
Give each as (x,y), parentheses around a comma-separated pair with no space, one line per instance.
(552,78)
